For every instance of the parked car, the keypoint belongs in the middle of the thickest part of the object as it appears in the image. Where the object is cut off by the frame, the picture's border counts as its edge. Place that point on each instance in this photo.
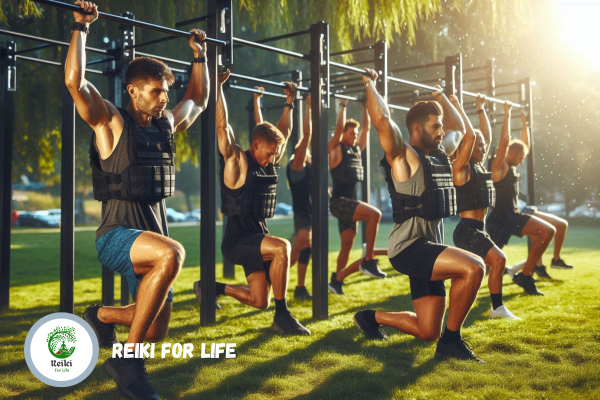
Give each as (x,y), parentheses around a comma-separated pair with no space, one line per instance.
(39,219)
(283,209)
(193,216)
(585,211)
(175,216)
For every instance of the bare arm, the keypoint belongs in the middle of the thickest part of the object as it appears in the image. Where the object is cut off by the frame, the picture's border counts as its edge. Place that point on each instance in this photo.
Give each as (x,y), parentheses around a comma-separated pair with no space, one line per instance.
(466,147)
(499,165)
(299,161)
(453,125)
(258,118)
(484,124)
(524,129)
(339,127)
(365,125)
(195,99)
(286,122)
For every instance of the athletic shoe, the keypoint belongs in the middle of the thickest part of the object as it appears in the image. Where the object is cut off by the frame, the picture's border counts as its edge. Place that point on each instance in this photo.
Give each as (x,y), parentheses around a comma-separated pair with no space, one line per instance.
(541,272)
(335,286)
(503,312)
(131,377)
(106,333)
(371,268)
(289,325)
(560,264)
(458,349)
(527,283)
(301,293)
(371,331)
(199,297)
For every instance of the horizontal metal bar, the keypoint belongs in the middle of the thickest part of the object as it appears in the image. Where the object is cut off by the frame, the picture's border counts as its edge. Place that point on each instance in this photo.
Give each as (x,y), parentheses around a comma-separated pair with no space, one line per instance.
(347,68)
(191,21)
(150,42)
(55,63)
(272,49)
(100,61)
(127,21)
(351,84)
(45,40)
(413,84)
(509,93)
(165,59)
(354,90)
(277,74)
(342,96)
(284,36)
(362,62)
(247,89)
(179,71)
(471,80)
(492,99)
(473,69)
(349,51)
(265,82)
(438,64)
(36,48)
(508,84)
(395,107)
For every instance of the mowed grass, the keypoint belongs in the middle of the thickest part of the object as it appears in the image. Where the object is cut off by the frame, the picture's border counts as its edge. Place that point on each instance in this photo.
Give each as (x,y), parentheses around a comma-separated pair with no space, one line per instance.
(554,353)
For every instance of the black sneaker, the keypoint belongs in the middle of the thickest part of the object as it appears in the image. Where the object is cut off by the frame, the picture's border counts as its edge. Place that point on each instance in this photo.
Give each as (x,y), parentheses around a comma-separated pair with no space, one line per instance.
(106,333)
(527,283)
(131,377)
(458,349)
(301,293)
(560,264)
(371,331)
(541,272)
(335,286)
(289,325)
(371,268)
(199,297)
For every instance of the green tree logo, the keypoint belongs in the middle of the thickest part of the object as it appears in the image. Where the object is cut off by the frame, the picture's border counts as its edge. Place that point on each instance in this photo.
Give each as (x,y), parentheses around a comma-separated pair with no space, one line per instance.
(61,334)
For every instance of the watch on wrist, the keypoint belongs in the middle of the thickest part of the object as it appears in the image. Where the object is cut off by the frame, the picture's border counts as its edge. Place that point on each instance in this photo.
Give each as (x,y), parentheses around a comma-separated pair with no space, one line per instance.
(480,110)
(78,26)
(289,105)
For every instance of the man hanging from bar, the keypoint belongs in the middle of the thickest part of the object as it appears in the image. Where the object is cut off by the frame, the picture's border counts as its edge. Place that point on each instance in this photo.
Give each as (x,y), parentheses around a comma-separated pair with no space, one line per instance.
(345,165)
(131,153)
(248,197)
(474,194)
(506,220)
(299,175)
(419,179)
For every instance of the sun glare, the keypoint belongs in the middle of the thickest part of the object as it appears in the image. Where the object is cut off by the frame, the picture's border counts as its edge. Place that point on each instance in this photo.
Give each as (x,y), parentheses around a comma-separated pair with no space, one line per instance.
(580,27)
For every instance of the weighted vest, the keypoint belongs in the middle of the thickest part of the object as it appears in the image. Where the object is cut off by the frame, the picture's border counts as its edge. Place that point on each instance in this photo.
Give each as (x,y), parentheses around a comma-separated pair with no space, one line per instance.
(258,195)
(348,172)
(300,190)
(437,201)
(507,191)
(150,175)
(478,192)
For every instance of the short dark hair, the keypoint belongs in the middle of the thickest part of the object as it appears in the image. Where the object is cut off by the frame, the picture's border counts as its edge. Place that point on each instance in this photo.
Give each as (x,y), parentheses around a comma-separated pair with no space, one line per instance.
(142,69)
(351,123)
(269,133)
(420,112)
(518,145)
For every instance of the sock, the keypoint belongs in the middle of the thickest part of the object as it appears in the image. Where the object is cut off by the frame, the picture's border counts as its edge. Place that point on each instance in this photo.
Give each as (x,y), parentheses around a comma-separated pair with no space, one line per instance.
(450,335)
(280,307)
(220,289)
(369,316)
(300,286)
(496,300)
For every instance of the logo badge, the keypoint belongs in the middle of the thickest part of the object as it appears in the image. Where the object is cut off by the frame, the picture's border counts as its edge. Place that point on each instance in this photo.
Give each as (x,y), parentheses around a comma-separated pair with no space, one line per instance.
(61,349)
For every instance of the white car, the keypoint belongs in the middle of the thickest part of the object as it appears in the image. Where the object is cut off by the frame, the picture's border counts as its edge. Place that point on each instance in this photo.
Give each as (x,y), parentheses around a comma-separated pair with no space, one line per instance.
(585,211)
(193,216)
(175,216)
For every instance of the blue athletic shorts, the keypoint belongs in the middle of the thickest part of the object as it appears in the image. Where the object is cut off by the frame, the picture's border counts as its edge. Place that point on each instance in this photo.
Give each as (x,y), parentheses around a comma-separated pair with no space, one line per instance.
(113,252)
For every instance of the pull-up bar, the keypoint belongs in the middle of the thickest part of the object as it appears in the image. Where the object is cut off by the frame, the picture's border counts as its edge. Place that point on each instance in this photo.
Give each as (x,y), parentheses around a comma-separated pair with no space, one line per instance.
(350,51)
(248,43)
(493,99)
(266,82)
(49,41)
(55,63)
(247,89)
(284,36)
(127,21)
(437,64)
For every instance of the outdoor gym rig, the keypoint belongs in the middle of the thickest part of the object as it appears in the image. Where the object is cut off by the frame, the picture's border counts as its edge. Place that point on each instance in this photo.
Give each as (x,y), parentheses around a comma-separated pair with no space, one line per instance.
(219,31)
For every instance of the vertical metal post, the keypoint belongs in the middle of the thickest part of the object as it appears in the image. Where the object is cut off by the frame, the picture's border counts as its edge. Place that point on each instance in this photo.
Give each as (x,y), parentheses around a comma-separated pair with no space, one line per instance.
(67,201)
(298,114)
(228,266)
(8,70)
(319,68)
(127,39)
(491,106)
(450,63)
(459,78)
(528,101)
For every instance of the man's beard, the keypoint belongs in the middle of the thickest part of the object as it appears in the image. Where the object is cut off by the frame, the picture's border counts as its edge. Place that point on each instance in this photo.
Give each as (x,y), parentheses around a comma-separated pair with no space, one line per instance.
(147,109)
(427,142)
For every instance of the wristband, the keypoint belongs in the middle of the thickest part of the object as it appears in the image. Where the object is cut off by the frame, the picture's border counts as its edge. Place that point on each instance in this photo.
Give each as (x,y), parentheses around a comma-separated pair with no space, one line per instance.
(480,111)
(342,105)
(78,26)
(289,105)
(199,59)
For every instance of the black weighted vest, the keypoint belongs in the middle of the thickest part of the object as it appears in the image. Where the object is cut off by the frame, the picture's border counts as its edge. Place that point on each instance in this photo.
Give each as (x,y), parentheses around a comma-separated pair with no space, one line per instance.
(258,195)
(478,192)
(348,172)
(437,201)
(300,190)
(507,191)
(150,175)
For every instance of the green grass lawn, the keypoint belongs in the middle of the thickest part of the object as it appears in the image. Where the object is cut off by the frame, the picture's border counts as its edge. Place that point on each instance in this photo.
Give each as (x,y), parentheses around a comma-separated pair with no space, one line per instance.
(554,353)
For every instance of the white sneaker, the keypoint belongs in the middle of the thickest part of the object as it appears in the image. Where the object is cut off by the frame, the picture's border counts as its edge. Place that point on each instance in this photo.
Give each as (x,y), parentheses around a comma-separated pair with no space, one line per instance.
(502,312)
(515,268)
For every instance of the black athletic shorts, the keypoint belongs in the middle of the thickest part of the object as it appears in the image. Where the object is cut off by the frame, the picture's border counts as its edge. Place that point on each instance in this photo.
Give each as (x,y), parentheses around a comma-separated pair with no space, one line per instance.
(417,261)
(302,221)
(246,252)
(343,209)
(502,227)
(470,235)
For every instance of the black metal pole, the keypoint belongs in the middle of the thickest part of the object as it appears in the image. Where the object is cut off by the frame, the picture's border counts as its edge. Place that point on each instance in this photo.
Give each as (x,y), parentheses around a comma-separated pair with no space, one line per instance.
(67,201)
(450,76)
(298,114)
(528,101)
(7,126)
(228,266)
(319,68)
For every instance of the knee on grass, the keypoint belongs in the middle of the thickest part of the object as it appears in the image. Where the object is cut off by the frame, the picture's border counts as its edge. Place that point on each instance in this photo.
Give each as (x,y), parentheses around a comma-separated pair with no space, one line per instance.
(429,335)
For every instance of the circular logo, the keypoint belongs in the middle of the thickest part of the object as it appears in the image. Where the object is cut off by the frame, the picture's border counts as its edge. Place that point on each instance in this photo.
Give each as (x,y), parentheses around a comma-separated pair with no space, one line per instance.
(61,349)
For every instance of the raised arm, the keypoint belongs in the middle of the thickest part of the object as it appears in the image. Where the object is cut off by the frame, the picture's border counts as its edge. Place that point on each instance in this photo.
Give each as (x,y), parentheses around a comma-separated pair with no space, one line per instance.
(499,165)
(454,127)
(466,148)
(484,123)
(365,125)
(299,161)
(286,121)
(524,129)
(258,118)
(339,127)
(195,99)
